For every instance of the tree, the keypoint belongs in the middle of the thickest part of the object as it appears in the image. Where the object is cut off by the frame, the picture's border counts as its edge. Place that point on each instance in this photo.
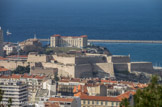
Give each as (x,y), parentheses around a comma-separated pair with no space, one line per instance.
(22,70)
(1,97)
(56,77)
(9,102)
(124,103)
(150,96)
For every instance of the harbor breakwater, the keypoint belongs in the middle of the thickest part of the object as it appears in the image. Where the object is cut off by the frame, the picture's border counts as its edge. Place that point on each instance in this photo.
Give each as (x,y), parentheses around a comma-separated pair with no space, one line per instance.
(125,41)
(115,41)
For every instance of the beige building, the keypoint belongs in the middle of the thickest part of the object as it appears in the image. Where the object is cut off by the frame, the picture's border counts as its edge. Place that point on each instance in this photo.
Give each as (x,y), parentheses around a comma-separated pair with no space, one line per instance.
(10,48)
(68,41)
(99,101)
(1,42)
(96,90)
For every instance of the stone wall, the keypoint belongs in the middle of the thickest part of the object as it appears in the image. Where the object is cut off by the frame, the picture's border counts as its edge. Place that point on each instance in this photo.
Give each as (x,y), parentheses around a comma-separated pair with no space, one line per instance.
(104,68)
(90,59)
(64,60)
(83,71)
(38,58)
(118,59)
(142,67)
(63,70)
(11,65)
(39,70)
(121,67)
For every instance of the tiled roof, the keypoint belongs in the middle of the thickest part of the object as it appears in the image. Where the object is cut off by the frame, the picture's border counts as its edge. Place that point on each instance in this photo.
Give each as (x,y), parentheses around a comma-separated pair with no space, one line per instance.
(3,69)
(50,104)
(14,56)
(16,76)
(1,58)
(126,95)
(39,77)
(100,98)
(57,35)
(61,99)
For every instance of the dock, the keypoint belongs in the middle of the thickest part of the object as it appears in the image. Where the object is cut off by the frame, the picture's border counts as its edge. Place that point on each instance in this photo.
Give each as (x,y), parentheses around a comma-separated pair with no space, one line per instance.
(115,41)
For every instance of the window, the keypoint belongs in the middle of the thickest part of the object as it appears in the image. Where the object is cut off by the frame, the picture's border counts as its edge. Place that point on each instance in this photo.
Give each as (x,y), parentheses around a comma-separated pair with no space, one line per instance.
(101,102)
(97,102)
(106,103)
(112,103)
(88,102)
(83,101)
(92,102)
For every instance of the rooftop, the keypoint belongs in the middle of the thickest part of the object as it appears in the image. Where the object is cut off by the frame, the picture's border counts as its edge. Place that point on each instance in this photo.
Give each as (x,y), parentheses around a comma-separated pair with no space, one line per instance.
(61,99)
(57,35)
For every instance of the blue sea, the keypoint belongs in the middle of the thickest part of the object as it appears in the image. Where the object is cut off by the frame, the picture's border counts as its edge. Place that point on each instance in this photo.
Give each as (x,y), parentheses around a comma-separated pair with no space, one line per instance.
(99,19)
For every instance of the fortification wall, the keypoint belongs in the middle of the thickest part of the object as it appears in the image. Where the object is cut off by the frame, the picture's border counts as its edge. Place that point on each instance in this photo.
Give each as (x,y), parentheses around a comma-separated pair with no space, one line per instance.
(63,70)
(104,68)
(142,67)
(47,72)
(11,65)
(38,58)
(118,59)
(64,60)
(90,59)
(121,67)
(83,71)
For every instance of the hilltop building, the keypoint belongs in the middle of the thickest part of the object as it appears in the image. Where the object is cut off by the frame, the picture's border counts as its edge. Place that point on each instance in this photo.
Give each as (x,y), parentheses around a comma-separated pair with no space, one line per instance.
(68,41)
(1,42)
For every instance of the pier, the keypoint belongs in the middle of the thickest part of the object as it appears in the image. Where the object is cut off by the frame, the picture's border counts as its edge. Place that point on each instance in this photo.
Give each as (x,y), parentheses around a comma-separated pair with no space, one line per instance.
(115,41)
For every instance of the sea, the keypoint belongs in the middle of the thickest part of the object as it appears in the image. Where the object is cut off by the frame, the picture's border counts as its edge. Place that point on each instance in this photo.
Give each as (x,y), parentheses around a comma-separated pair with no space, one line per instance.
(99,19)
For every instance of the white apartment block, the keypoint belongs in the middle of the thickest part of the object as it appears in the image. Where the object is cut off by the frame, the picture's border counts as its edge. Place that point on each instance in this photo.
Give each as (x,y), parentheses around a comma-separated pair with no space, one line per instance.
(68,41)
(1,42)
(16,90)
(10,48)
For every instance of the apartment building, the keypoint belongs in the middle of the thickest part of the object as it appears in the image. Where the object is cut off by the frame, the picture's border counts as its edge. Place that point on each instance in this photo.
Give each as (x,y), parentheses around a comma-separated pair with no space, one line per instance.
(10,48)
(59,101)
(16,90)
(68,41)
(99,101)
(66,87)
(1,42)
(4,71)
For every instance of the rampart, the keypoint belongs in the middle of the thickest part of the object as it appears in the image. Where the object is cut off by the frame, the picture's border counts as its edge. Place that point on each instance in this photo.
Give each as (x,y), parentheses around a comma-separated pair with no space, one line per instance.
(11,65)
(142,67)
(34,57)
(118,59)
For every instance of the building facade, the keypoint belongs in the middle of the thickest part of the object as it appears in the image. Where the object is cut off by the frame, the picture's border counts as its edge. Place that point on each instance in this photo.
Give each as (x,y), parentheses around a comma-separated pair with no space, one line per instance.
(1,42)
(10,48)
(99,101)
(68,41)
(16,90)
